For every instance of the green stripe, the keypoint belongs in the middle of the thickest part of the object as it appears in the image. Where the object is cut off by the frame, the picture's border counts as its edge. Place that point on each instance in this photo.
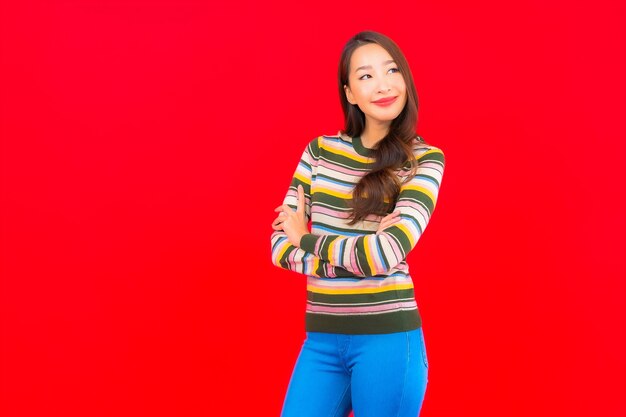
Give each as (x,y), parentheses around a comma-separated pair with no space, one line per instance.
(361,298)
(314,148)
(402,238)
(335,180)
(336,202)
(337,159)
(340,230)
(344,273)
(432,156)
(398,321)
(389,322)
(419,196)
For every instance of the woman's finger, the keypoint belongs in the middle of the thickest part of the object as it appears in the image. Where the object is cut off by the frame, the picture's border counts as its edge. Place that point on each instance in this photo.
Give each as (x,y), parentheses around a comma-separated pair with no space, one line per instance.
(391,216)
(384,225)
(277,224)
(392,221)
(284,207)
(387,221)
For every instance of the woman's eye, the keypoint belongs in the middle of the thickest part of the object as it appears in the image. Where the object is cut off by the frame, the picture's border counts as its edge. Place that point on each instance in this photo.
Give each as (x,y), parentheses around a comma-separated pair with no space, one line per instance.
(367,75)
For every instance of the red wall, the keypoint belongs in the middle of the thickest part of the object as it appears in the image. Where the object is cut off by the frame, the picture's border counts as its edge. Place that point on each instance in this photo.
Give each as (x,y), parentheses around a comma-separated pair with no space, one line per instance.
(146,144)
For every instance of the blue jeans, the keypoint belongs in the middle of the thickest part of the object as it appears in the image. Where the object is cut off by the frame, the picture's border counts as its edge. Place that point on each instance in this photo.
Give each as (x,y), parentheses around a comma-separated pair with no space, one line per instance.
(376,375)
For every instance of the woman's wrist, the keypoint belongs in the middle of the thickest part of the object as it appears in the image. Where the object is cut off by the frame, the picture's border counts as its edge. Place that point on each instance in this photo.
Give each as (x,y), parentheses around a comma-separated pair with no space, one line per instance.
(298,242)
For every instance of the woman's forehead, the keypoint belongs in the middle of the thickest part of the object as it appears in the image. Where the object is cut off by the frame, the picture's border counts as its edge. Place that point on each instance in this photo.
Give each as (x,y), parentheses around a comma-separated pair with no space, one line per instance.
(368,55)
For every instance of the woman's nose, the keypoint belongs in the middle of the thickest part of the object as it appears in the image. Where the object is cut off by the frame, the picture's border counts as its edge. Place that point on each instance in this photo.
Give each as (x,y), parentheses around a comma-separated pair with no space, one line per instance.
(383,86)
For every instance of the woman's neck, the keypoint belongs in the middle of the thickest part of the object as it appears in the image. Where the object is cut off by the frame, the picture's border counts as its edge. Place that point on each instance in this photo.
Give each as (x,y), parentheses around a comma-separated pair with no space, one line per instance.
(374,133)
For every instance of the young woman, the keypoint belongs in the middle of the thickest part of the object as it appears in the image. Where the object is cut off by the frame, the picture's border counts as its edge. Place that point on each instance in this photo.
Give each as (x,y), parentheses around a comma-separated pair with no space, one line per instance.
(369,192)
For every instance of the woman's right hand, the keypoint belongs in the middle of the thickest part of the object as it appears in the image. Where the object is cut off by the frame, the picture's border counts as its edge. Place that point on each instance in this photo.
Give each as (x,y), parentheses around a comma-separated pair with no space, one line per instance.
(388,220)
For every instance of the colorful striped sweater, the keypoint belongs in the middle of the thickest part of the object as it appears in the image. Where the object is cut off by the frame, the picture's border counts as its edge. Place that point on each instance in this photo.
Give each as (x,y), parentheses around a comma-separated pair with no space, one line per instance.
(358,281)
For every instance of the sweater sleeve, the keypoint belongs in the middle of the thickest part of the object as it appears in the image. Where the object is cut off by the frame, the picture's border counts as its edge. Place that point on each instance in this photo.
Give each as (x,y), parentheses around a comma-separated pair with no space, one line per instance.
(284,254)
(287,256)
(372,254)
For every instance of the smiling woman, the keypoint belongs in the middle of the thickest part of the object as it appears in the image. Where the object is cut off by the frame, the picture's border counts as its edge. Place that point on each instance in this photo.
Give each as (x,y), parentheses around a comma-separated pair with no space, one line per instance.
(378,90)
(369,192)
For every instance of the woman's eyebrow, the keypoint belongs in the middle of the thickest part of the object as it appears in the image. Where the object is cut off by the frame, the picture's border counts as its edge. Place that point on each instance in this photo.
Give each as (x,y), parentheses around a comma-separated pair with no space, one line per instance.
(370,67)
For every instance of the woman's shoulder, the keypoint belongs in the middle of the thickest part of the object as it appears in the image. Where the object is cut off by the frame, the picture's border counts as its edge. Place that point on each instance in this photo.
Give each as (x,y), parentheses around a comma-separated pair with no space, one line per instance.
(425,153)
(321,142)
(421,147)
(330,141)
(338,137)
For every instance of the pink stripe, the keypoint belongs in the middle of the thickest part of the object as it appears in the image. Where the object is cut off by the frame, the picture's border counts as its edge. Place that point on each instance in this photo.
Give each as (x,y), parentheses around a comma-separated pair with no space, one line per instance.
(357,309)
(338,168)
(291,193)
(430,164)
(358,285)
(291,258)
(374,242)
(330,212)
(338,146)
(395,248)
(316,249)
(417,207)
(340,215)
(349,246)
(402,266)
(321,185)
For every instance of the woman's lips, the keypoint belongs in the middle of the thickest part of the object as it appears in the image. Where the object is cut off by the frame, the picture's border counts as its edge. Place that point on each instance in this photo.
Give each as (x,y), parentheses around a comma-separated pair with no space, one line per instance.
(385,102)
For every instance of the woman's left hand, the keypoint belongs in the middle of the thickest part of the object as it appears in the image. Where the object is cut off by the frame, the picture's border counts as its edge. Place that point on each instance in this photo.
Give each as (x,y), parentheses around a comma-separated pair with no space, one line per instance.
(293,223)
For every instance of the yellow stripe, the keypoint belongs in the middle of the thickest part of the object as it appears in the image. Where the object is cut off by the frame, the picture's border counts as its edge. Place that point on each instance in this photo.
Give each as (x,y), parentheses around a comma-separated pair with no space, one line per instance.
(331,247)
(305,180)
(368,258)
(282,251)
(421,189)
(406,231)
(341,152)
(428,152)
(319,290)
(316,264)
(334,193)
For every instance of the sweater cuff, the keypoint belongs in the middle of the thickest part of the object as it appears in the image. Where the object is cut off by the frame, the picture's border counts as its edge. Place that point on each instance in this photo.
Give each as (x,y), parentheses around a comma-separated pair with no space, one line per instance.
(308,243)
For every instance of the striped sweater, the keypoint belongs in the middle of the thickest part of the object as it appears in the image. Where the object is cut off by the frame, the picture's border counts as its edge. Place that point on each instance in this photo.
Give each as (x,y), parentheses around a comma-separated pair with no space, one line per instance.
(358,281)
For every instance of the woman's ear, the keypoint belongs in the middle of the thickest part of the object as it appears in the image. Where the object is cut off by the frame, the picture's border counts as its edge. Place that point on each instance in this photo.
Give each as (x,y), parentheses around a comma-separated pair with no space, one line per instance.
(348,92)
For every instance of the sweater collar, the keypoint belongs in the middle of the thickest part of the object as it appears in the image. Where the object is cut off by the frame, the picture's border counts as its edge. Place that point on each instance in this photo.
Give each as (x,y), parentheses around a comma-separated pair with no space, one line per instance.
(357,144)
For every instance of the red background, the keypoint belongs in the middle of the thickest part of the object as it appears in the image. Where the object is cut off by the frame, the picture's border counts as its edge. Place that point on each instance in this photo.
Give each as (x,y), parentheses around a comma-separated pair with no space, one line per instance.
(146,144)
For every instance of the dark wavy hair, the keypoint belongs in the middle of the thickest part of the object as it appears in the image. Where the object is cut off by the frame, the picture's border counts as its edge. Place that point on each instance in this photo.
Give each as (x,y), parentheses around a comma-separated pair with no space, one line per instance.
(377,191)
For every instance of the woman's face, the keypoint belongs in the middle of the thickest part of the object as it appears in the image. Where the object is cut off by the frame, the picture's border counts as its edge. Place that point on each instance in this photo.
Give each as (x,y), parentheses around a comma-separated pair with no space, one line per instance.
(374,76)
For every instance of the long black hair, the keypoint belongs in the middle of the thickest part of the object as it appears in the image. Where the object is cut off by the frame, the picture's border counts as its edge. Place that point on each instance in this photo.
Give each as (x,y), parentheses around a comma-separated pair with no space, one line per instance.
(378,190)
